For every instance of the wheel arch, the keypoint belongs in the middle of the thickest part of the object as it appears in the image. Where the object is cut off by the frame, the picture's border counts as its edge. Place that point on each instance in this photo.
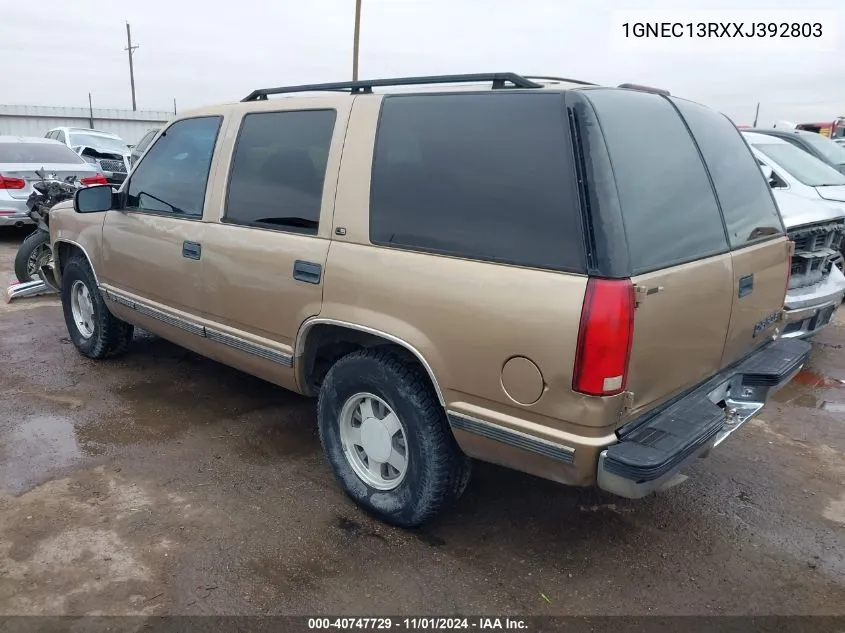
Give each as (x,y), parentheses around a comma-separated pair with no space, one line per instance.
(341,337)
(64,249)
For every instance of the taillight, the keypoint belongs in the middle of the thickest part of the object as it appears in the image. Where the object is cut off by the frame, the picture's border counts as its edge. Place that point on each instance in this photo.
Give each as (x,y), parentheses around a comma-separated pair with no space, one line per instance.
(604,338)
(12,183)
(99,179)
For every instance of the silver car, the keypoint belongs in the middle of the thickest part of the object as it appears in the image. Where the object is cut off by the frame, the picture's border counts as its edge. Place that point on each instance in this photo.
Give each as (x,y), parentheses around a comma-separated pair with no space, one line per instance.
(811,197)
(20,156)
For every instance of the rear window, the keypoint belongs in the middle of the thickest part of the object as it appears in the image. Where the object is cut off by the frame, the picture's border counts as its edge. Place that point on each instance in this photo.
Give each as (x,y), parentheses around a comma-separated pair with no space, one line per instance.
(668,205)
(37,153)
(482,176)
(746,200)
(829,149)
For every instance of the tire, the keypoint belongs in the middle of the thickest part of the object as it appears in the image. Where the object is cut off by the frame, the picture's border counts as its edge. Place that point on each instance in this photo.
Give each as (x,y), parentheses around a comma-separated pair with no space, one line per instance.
(107,335)
(437,471)
(31,243)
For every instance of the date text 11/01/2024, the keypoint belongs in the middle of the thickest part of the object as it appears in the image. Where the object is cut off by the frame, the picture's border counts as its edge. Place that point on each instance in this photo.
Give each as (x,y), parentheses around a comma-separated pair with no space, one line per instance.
(722,29)
(423,623)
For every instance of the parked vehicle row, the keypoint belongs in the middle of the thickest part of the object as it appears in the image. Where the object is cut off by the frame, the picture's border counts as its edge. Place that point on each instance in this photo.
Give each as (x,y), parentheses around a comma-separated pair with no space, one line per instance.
(811,198)
(595,298)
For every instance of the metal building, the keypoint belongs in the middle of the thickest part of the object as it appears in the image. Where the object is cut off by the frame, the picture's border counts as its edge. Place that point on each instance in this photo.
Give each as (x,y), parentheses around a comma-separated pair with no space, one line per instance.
(24,120)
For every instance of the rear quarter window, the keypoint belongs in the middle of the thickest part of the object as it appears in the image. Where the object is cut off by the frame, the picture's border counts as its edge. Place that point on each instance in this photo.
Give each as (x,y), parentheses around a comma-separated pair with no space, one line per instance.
(668,206)
(746,200)
(480,176)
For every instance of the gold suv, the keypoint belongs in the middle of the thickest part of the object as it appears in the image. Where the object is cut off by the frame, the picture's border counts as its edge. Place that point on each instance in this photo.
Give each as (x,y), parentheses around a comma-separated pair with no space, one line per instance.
(580,282)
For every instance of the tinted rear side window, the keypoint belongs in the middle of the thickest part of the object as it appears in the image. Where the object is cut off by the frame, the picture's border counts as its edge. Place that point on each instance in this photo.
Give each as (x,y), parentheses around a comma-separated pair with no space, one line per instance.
(483,176)
(278,170)
(37,153)
(750,213)
(669,208)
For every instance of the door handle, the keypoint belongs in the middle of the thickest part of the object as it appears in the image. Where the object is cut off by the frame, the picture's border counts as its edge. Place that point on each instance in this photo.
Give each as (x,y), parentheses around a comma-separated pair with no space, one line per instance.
(191,250)
(308,272)
(746,285)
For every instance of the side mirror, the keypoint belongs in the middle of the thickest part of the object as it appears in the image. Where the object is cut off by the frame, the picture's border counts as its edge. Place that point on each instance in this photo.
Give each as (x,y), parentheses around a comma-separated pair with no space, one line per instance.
(93,199)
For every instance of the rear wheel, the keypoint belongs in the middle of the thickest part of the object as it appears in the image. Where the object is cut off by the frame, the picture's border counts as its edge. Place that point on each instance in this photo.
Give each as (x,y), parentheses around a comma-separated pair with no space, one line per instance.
(387,438)
(94,331)
(33,252)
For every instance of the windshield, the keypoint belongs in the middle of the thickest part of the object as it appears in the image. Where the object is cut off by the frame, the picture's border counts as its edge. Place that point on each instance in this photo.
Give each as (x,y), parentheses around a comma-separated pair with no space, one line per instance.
(106,143)
(805,167)
(833,152)
(39,153)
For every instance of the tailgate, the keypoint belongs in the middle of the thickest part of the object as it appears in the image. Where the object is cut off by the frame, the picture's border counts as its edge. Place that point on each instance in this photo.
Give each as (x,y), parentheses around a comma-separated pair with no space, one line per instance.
(759,278)
(680,322)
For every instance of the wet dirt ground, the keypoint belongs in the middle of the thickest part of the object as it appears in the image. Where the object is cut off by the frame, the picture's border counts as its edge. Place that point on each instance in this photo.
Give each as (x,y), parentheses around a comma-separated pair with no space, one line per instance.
(164,483)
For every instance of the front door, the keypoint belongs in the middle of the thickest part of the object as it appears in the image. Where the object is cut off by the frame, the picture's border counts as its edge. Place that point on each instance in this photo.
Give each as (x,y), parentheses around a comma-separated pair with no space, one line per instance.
(153,246)
(264,262)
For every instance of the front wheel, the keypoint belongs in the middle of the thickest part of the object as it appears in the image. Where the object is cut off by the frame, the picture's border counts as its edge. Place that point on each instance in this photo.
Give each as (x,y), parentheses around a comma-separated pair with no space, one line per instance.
(94,331)
(33,252)
(387,438)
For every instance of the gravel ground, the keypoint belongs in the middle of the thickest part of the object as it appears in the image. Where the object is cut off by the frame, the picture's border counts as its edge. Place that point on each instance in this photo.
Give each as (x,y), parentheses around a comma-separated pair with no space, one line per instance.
(165,483)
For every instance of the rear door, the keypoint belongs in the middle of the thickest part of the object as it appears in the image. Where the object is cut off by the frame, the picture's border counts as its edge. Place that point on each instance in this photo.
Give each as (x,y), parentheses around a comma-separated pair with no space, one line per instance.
(679,256)
(760,253)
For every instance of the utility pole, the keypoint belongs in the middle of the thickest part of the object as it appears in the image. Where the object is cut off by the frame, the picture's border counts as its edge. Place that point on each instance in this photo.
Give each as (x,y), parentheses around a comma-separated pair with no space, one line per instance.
(174,105)
(756,114)
(131,50)
(90,112)
(355,41)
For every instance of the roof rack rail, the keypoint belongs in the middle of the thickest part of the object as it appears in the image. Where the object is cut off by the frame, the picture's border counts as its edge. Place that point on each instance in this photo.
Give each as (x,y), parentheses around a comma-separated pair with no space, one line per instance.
(566,79)
(641,88)
(366,87)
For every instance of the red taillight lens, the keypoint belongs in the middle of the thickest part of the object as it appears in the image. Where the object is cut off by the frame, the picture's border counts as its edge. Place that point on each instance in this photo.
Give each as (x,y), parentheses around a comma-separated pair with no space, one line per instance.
(99,179)
(12,183)
(604,338)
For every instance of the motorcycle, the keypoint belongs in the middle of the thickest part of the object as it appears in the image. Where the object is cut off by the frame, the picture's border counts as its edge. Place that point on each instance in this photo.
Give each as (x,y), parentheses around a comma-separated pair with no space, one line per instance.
(35,253)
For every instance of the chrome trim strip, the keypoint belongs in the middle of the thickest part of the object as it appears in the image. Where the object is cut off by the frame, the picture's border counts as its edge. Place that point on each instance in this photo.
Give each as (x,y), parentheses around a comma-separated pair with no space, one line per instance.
(235,342)
(84,252)
(249,347)
(559,452)
(301,337)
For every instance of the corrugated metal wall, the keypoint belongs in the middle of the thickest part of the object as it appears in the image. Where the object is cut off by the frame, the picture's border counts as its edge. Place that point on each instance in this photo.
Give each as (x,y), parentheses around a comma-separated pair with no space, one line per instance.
(38,120)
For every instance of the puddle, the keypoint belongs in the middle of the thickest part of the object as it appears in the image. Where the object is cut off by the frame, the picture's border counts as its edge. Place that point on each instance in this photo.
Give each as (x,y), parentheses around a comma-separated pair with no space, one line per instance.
(32,451)
(805,390)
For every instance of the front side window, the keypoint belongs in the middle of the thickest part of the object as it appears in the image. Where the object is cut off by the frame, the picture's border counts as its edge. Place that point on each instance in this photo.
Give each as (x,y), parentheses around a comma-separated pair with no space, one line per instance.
(668,205)
(747,205)
(278,170)
(801,165)
(481,176)
(173,176)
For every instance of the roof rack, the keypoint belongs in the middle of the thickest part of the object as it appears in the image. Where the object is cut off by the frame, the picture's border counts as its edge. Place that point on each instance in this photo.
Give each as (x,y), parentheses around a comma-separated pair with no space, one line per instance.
(366,87)
(642,88)
(566,79)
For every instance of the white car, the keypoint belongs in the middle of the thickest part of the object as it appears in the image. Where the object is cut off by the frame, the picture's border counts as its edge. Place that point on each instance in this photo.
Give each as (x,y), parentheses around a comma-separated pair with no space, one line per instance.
(811,197)
(105,150)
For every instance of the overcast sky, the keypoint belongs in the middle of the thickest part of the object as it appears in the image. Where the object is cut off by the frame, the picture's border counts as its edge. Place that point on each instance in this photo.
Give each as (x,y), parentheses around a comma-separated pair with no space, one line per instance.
(54,52)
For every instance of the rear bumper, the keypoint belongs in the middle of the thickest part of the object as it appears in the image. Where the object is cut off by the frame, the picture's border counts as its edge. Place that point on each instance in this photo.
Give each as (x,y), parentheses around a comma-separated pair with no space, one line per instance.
(651,452)
(15,219)
(808,310)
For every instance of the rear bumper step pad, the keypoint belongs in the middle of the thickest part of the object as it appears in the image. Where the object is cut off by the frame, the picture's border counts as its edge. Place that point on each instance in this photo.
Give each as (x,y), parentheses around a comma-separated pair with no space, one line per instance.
(660,444)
